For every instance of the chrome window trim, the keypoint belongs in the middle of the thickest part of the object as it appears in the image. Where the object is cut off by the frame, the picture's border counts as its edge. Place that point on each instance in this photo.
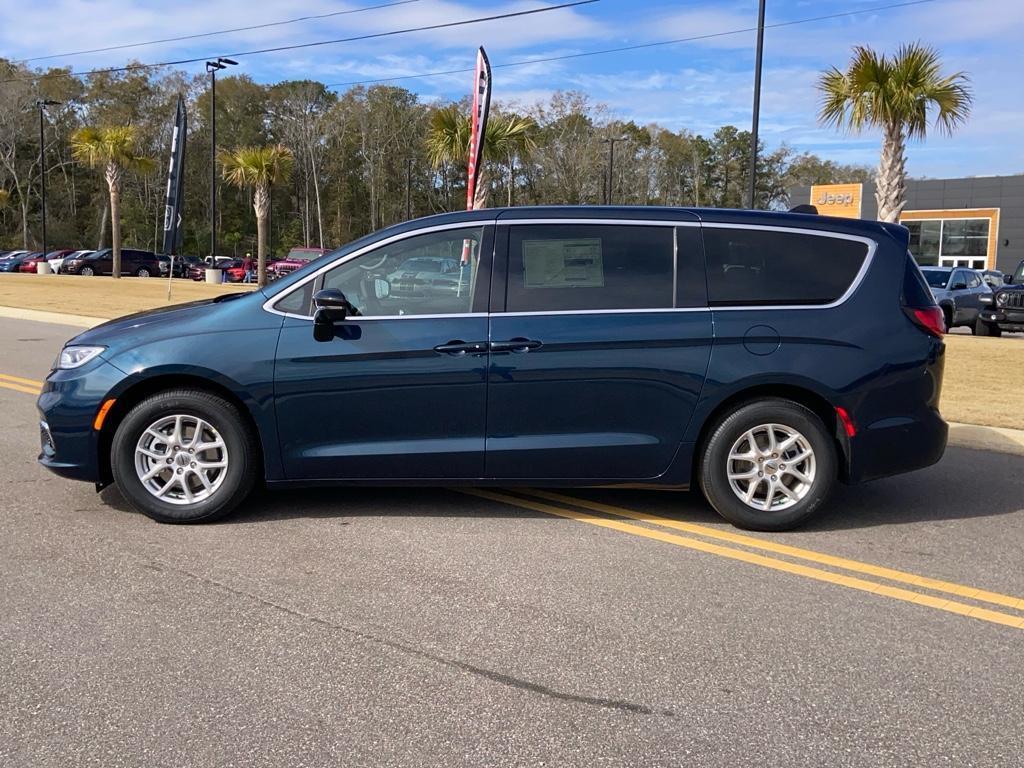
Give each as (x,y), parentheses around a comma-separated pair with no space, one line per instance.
(268,304)
(872,246)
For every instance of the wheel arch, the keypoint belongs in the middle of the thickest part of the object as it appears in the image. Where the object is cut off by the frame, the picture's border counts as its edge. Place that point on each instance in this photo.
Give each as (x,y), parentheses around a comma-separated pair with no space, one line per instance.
(138,390)
(814,401)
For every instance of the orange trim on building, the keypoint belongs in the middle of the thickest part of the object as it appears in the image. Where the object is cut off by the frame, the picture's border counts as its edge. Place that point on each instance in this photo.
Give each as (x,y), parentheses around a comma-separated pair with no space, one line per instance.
(992,214)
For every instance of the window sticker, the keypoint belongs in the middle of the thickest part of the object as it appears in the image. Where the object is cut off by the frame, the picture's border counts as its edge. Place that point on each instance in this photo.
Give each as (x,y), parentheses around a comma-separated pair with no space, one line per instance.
(570,263)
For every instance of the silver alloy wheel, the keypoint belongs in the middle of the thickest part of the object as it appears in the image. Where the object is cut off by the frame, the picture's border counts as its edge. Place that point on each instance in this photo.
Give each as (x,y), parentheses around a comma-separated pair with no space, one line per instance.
(771,467)
(143,273)
(87,271)
(181,459)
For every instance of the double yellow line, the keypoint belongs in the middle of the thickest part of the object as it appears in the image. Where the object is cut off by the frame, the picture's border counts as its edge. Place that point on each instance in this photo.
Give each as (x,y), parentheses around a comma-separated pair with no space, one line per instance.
(569,507)
(19,384)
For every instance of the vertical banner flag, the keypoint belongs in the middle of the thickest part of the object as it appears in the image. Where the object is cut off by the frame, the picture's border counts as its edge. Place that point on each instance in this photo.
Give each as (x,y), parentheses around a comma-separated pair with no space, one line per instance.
(478,126)
(175,182)
(477,129)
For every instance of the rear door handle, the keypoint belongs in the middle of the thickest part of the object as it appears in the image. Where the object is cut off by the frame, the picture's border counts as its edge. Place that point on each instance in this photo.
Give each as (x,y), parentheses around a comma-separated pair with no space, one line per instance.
(458,348)
(518,344)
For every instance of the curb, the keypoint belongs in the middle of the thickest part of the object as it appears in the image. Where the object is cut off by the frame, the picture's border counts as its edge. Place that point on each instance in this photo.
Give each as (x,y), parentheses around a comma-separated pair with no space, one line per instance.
(999,439)
(58,318)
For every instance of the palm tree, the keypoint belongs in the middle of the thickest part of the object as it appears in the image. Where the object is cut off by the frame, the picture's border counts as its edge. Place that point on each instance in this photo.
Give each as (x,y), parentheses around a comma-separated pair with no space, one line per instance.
(114,150)
(508,137)
(894,93)
(258,168)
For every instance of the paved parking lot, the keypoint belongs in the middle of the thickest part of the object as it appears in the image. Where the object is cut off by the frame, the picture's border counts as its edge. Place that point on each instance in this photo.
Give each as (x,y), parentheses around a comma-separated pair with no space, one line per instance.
(507,627)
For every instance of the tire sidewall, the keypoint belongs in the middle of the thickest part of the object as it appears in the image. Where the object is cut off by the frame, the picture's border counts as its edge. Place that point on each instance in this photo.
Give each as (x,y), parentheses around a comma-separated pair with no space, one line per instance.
(218,413)
(713,469)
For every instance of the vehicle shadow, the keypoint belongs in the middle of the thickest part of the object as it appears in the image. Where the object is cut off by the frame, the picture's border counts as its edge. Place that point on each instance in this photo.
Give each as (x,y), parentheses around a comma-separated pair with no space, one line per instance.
(966,484)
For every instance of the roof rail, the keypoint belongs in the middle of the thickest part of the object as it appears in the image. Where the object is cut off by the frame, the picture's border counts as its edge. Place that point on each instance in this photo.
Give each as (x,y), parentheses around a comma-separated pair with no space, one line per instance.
(804,209)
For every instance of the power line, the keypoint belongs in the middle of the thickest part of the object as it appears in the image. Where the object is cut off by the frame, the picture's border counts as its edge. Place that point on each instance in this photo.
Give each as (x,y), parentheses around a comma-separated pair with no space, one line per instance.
(214,34)
(371,36)
(640,46)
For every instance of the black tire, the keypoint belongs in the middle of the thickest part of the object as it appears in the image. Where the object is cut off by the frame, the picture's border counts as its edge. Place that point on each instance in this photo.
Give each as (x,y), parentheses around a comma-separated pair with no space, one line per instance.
(87,271)
(947,315)
(724,434)
(981,328)
(242,445)
(142,272)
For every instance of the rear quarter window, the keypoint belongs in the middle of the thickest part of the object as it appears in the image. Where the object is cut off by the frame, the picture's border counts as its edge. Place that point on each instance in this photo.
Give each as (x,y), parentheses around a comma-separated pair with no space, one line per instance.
(761,267)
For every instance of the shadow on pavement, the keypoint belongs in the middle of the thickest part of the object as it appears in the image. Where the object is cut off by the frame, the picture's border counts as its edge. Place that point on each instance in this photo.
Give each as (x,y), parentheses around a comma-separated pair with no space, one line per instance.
(965,484)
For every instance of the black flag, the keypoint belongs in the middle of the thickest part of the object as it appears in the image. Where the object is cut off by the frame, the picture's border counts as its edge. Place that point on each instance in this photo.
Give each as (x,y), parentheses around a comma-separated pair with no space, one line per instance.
(175,182)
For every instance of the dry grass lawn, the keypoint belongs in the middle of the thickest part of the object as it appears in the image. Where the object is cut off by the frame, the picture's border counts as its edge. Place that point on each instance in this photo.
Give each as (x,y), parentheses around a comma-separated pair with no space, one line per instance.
(101,296)
(984,382)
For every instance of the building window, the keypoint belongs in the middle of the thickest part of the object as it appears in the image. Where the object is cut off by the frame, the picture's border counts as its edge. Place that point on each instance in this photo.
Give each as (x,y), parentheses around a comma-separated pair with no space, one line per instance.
(949,242)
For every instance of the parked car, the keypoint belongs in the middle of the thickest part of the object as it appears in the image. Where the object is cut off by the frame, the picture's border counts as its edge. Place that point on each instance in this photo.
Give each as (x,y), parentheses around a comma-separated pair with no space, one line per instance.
(13,263)
(183,265)
(12,254)
(422,275)
(133,262)
(1004,309)
(198,271)
(959,292)
(296,259)
(58,262)
(993,278)
(32,264)
(590,347)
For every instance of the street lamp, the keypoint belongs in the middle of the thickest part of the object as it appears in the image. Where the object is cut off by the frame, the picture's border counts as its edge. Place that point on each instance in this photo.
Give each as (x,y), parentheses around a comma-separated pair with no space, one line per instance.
(757,101)
(212,67)
(41,105)
(611,164)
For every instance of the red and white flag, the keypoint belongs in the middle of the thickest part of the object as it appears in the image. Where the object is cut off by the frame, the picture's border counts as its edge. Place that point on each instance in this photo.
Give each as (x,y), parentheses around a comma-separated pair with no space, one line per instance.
(478,126)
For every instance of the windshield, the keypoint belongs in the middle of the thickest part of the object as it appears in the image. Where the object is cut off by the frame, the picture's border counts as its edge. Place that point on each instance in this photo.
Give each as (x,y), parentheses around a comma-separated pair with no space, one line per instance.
(937,278)
(1018,278)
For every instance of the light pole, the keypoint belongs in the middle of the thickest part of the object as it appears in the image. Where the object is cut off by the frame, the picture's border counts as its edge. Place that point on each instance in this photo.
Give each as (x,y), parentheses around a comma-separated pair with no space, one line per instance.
(212,67)
(757,101)
(42,104)
(611,164)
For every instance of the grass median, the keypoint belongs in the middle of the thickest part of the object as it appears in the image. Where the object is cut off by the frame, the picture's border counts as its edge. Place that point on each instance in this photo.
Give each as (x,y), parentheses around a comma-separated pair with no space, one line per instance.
(984,382)
(102,296)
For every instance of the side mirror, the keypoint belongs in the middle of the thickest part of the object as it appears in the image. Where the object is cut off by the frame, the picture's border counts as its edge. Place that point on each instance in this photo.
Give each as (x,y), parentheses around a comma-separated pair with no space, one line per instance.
(959,286)
(333,303)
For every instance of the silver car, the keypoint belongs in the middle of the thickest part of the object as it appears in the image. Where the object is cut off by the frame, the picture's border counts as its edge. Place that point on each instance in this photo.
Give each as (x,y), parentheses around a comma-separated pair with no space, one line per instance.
(958,291)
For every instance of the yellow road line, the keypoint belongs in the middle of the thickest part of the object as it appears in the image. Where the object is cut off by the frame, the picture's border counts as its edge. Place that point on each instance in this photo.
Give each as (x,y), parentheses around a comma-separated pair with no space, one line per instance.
(891,574)
(19,388)
(21,380)
(863,585)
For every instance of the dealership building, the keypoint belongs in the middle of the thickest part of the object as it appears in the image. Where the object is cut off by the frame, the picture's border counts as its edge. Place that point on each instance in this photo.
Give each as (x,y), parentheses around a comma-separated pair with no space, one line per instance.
(976,222)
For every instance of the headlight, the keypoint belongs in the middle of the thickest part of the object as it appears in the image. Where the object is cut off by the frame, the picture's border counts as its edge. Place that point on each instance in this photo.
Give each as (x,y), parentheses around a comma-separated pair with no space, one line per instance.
(1001,299)
(76,357)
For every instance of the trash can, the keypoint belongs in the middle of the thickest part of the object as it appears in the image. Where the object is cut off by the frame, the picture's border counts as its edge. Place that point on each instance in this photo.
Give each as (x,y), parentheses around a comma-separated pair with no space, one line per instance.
(213,275)
(43,268)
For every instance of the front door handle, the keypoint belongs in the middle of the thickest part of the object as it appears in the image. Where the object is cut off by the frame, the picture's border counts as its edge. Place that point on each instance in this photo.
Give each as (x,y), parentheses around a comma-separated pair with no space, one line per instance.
(458,348)
(518,344)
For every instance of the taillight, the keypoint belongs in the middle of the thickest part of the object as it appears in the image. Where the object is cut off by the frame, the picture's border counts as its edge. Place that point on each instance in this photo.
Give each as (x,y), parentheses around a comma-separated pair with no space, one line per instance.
(929,319)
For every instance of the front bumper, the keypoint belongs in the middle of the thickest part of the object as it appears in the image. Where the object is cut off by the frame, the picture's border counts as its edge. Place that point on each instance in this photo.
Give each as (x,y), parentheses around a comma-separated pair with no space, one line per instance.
(67,406)
(1008,320)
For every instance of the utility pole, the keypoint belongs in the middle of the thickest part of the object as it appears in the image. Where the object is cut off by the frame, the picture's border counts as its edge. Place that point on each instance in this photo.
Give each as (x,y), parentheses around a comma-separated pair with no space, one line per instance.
(757,102)
(212,67)
(408,188)
(42,104)
(611,165)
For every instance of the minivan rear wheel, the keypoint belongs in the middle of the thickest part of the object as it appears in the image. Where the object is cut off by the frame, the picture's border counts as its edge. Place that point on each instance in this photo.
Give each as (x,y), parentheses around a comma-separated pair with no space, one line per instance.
(769,465)
(185,456)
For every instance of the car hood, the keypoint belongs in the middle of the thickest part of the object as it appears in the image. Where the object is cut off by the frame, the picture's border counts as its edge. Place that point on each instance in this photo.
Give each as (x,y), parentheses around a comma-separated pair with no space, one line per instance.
(181,319)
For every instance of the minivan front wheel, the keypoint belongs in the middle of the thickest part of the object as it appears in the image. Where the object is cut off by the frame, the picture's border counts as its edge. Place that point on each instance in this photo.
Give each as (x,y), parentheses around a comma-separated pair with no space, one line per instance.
(769,465)
(184,456)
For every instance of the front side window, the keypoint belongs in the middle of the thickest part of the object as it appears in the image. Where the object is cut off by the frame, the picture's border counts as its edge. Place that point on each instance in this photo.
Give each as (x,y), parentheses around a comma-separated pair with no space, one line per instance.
(430,274)
(752,267)
(567,267)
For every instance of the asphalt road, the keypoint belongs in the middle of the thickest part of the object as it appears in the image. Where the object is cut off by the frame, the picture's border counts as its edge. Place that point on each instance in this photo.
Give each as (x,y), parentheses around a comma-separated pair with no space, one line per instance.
(432,627)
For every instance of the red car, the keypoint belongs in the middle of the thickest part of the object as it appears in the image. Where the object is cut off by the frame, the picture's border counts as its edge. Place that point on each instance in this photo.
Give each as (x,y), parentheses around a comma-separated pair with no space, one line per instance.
(237,272)
(30,265)
(297,257)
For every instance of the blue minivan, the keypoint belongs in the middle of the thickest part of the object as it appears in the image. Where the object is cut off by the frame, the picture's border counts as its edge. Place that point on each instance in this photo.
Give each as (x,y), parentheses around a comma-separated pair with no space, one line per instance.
(762,356)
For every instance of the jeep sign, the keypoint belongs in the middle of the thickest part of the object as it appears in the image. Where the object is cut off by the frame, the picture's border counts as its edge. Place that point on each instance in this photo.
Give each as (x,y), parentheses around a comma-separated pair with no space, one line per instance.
(837,199)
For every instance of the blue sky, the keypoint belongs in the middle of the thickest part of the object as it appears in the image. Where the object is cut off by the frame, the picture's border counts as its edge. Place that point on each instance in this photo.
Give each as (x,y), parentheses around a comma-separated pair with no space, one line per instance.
(698,85)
